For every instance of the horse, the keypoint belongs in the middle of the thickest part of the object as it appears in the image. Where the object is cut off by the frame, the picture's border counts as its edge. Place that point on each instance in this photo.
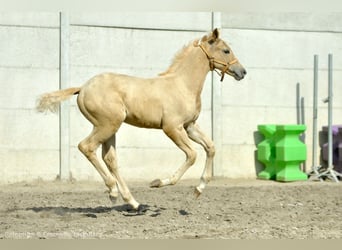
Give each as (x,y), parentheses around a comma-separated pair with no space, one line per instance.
(170,101)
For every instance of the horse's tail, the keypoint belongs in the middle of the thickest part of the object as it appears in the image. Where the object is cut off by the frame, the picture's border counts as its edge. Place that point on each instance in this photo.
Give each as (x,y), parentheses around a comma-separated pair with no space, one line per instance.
(50,101)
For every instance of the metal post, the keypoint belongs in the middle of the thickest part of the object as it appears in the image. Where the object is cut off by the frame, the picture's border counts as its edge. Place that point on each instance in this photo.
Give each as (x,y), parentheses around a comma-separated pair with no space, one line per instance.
(298,103)
(303,135)
(302,112)
(64,112)
(315,166)
(314,174)
(330,173)
(330,101)
(300,117)
(216,99)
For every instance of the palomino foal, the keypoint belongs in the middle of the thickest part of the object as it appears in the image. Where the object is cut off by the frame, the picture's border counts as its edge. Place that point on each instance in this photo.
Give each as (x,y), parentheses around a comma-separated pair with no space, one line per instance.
(170,101)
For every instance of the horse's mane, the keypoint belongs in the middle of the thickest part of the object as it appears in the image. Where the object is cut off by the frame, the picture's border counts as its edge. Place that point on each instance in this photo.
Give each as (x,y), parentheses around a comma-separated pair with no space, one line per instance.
(183,52)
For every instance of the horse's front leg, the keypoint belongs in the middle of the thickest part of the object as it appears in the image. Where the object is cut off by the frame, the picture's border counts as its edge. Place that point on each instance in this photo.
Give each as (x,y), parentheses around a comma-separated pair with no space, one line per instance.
(198,136)
(180,137)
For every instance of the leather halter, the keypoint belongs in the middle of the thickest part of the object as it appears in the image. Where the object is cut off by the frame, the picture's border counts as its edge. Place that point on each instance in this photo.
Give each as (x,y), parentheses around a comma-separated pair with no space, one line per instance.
(212,62)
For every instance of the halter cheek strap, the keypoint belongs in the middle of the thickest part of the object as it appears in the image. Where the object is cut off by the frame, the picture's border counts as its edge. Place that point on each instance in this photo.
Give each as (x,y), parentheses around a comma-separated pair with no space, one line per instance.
(212,61)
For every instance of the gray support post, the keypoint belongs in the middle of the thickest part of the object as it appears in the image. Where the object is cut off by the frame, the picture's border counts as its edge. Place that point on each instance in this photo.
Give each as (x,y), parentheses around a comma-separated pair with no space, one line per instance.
(303,136)
(302,111)
(314,174)
(330,172)
(330,102)
(64,112)
(300,117)
(298,103)
(216,130)
(314,118)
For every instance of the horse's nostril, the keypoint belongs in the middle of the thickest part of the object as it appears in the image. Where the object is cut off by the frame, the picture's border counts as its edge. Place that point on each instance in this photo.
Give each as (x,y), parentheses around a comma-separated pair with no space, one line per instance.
(244,72)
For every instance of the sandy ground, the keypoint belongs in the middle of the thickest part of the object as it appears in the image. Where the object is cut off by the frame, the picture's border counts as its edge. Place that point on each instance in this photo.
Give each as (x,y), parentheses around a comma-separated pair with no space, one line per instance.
(228,209)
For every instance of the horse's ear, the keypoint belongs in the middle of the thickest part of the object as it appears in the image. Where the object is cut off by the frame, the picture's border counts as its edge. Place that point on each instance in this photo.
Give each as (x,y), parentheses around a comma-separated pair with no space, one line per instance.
(213,36)
(216,33)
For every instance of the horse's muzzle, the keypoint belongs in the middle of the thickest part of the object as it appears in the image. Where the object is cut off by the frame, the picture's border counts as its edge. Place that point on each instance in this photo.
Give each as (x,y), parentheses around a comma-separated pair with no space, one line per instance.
(237,71)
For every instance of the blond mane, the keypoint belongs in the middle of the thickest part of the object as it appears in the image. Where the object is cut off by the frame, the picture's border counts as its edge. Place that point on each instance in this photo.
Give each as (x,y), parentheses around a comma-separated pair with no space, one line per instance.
(183,52)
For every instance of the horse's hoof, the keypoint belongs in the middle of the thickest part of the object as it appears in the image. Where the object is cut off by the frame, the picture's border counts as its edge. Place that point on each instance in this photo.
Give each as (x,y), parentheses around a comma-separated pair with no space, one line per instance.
(197,192)
(142,209)
(156,183)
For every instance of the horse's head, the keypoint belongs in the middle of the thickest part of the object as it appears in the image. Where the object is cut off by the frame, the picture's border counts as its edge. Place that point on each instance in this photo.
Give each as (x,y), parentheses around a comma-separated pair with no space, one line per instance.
(221,57)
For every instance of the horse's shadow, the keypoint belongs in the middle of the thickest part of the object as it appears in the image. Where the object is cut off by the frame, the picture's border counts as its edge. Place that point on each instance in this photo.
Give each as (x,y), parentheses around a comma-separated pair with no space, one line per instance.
(124,209)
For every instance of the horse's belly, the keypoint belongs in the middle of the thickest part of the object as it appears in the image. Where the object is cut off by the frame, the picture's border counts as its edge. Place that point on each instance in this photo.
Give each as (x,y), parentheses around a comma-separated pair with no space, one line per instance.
(144,119)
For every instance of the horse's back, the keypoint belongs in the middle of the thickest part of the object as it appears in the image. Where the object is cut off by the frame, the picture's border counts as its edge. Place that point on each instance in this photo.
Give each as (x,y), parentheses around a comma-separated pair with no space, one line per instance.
(141,100)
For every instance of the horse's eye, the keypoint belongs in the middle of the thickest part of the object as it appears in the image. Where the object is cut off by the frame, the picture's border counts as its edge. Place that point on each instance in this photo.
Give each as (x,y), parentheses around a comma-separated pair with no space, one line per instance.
(226,51)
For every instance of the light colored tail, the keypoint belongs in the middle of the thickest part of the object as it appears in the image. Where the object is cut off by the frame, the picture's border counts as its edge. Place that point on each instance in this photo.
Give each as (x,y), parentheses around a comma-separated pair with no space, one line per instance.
(50,101)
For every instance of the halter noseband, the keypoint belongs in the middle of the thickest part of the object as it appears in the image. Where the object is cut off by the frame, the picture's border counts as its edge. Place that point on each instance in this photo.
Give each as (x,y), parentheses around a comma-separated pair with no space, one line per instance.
(212,60)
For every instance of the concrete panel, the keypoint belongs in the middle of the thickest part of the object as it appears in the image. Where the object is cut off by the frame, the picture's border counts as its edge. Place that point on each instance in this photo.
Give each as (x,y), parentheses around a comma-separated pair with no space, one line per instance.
(264,87)
(238,161)
(28,165)
(25,129)
(25,85)
(279,49)
(323,21)
(37,19)
(145,20)
(241,122)
(126,48)
(29,47)
(277,87)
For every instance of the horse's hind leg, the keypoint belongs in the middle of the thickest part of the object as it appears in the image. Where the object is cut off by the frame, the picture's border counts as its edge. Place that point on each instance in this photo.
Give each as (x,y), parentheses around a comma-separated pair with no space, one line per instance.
(109,157)
(110,174)
(89,146)
(114,192)
(111,162)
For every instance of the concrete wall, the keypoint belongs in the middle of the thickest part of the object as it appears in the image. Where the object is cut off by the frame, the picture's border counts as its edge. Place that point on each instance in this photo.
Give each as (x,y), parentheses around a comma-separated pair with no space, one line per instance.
(276,49)
(29,54)
(141,44)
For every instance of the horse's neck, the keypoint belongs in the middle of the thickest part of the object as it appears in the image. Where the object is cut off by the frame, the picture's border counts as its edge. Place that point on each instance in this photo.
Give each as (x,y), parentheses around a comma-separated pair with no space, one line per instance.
(192,70)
